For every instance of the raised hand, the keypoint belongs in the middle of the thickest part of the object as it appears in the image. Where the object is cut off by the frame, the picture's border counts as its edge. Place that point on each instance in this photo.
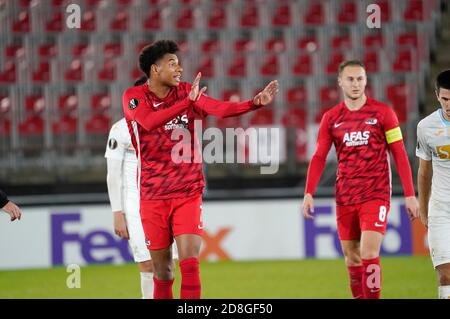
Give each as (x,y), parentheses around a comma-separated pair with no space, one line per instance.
(195,93)
(266,96)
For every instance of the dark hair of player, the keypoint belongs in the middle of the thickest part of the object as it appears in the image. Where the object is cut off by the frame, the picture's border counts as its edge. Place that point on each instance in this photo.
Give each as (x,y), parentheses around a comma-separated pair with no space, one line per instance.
(151,53)
(347,63)
(443,81)
(141,80)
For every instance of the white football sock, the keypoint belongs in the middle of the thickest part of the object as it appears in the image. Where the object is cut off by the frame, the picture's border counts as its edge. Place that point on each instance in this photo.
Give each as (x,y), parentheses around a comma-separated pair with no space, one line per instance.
(444,292)
(147,285)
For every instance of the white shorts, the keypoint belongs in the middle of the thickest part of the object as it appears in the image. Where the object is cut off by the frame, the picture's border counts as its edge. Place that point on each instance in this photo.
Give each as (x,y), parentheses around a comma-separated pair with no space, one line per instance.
(136,232)
(439,232)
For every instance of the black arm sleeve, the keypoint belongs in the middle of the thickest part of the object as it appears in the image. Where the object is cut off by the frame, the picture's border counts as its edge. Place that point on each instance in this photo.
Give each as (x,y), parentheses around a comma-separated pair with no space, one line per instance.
(3,199)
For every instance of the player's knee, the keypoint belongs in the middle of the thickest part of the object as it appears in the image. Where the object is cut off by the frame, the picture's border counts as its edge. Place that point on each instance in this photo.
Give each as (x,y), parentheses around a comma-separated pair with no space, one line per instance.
(163,271)
(352,260)
(146,266)
(369,254)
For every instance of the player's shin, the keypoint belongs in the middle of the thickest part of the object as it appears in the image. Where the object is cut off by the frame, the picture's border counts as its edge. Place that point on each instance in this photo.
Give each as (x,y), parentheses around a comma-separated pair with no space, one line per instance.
(355,276)
(444,292)
(190,279)
(371,281)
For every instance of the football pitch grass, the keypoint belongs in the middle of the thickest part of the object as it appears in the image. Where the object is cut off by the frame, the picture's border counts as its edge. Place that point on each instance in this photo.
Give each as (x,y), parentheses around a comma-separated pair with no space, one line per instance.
(403,277)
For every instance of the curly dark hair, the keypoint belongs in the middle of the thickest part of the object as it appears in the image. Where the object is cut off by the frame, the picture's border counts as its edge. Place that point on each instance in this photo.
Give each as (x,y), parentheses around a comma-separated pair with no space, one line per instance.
(443,80)
(151,53)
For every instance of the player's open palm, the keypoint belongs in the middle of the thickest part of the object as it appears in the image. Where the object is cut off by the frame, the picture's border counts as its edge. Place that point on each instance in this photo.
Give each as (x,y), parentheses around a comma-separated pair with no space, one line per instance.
(308,206)
(13,211)
(266,96)
(196,93)
(120,225)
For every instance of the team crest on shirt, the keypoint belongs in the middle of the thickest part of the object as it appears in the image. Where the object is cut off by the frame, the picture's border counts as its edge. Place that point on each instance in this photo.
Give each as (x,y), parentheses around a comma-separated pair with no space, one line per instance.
(112,143)
(133,103)
(371,121)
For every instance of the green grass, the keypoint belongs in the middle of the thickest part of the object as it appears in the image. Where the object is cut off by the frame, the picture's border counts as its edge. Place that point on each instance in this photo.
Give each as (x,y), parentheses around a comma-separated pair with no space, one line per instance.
(403,277)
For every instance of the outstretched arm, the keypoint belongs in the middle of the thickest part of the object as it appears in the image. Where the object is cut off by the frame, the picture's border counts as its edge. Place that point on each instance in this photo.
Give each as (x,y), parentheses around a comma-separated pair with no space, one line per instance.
(207,105)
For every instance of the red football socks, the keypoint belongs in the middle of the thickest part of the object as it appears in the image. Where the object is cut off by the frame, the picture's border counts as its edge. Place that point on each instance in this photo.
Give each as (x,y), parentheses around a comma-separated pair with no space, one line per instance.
(371,281)
(190,279)
(356,275)
(162,289)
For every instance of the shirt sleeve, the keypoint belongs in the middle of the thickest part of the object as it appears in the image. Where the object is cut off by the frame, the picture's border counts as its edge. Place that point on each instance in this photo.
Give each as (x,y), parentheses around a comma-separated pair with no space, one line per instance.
(135,109)
(115,148)
(317,163)
(391,127)
(423,150)
(3,199)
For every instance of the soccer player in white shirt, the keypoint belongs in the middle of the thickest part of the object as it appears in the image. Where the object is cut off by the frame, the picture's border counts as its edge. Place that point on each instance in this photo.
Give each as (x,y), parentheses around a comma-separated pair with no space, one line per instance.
(433,150)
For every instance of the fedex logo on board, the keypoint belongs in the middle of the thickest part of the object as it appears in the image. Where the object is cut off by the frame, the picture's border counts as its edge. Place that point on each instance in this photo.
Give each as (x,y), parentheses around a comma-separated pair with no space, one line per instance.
(94,245)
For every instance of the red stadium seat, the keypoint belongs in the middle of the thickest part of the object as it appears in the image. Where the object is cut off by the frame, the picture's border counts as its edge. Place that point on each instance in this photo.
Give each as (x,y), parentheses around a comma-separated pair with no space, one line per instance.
(211,46)
(296,118)
(153,21)
(315,14)
(244,45)
(48,50)
(67,121)
(113,49)
(276,45)
(262,117)
(14,50)
(270,66)
(385,10)
(74,72)
(404,61)
(296,96)
(238,67)
(108,72)
(186,19)
(57,3)
(33,124)
(80,49)
(5,120)
(42,73)
(55,23)
(231,122)
(135,73)
(309,43)
(250,16)
(335,59)
(88,21)
(8,74)
(408,39)
(329,96)
(99,122)
(341,42)
(303,65)
(371,61)
(22,23)
(25,3)
(231,95)
(218,18)
(347,12)
(282,15)
(373,41)
(119,22)
(206,66)
(415,11)
(398,95)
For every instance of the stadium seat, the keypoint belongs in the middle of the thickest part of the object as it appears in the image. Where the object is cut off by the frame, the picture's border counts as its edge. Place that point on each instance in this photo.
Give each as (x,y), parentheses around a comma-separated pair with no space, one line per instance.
(218,18)
(270,66)
(282,15)
(296,96)
(22,23)
(308,43)
(295,118)
(238,67)
(276,45)
(153,21)
(108,72)
(404,61)
(385,10)
(303,65)
(335,59)
(42,73)
(371,61)
(186,19)
(67,119)
(398,94)
(80,49)
(112,49)
(341,42)
(231,95)
(373,41)
(329,96)
(5,120)
(244,45)
(33,123)
(415,11)
(408,39)
(88,21)
(206,66)
(8,74)
(14,50)
(99,122)
(231,122)
(348,12)
(250,16)
(55,23)
(74,72)
(262,117)
(314,14)
(119,22)
(48,50)
(211,46)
